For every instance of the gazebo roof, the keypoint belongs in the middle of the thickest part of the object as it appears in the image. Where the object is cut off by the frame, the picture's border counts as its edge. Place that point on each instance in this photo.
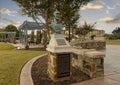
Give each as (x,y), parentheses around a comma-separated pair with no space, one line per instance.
(31,26)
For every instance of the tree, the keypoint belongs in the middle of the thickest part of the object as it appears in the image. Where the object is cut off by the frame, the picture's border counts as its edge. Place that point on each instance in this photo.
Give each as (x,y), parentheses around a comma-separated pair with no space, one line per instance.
(92,37)
(12,28)
(116,32)
(36,9)
(84,30)
(45,8)
(110,36)
(32,37)
(38,37)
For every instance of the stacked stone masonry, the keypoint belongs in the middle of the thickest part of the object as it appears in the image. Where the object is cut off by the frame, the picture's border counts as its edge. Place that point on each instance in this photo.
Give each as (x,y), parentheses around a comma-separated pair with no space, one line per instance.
(98,45)
(91,62)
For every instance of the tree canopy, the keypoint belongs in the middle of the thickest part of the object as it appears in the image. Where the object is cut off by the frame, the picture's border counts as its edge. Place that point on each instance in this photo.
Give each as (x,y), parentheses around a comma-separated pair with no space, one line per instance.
(44,8)
(84,29)
(116,32)
(12,28)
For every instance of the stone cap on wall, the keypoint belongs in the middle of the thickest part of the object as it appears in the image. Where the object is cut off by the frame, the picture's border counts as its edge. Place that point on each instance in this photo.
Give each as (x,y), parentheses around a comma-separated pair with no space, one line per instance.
(92,53)
(82,51)
(95,54)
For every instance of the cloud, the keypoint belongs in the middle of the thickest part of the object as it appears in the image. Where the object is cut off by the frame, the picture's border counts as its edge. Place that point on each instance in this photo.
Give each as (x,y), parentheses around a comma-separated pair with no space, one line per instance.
(2,24)
(6,19)
(80,23)
(7,12)
(116,20)
(101,2)
(111,20)
(106,19)
(109,8)
(17,24)
(92,6)
(9,21)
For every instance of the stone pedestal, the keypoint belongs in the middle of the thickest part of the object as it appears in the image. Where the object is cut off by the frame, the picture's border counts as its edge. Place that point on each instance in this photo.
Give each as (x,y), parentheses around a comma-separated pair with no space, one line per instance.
(59,58)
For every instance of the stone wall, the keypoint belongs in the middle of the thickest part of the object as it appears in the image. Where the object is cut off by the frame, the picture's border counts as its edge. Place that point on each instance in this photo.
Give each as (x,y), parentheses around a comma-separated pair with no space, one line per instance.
(99,38)
(91,62)
(91,45)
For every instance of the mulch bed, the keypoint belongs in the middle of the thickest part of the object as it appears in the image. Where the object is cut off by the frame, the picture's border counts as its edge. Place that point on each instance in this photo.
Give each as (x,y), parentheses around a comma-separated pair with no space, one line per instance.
(40,76)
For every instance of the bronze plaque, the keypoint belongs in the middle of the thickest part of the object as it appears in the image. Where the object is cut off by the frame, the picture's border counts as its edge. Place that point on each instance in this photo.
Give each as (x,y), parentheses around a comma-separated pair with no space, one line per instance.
(63,65)
(60,41)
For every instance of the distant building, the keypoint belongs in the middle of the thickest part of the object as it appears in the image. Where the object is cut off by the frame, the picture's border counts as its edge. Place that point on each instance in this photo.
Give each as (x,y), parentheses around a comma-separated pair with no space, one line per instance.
(98,34)
(1,29)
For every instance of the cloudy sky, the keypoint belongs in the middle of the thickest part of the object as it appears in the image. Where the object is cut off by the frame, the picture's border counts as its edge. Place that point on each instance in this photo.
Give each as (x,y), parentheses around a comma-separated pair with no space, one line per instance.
(105,12)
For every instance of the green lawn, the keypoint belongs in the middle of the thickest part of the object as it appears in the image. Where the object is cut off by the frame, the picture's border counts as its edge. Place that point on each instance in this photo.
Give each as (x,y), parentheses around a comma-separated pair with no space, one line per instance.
(11,62)
(6,46)
(113,42)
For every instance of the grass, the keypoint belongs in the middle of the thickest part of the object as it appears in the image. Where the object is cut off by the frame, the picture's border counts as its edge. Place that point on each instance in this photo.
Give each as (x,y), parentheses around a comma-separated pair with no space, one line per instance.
(113,42)
(6,46)
(11,62)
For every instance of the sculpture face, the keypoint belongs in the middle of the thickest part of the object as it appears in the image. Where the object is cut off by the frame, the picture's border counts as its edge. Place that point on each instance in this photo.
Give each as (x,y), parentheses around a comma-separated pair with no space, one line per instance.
(56,25)
(57,15)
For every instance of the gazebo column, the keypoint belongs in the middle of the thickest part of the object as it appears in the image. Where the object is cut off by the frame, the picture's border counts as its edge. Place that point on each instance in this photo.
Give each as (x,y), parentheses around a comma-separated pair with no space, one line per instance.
(26,39)
(13,37)
(1,37)
(20,36)
(5,37)
(23,37)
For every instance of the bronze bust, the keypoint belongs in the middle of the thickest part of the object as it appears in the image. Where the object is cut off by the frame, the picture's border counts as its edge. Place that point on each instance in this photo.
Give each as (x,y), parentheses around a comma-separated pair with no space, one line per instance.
(56,25)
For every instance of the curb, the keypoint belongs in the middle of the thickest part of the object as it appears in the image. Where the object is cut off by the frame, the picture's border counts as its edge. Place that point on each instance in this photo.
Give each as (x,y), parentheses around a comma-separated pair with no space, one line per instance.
(25,75)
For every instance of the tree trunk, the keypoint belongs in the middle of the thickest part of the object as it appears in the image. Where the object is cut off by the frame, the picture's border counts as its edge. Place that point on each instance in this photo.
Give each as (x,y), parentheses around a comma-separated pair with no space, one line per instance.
(73,32)
(69,34)
(47,32)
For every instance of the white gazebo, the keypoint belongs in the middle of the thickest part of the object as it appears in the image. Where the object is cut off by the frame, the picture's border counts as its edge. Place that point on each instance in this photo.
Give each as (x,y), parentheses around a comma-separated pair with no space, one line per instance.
(28,26)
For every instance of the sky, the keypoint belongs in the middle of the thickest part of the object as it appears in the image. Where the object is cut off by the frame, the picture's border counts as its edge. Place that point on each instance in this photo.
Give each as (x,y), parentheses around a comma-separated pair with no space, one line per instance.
(106,14)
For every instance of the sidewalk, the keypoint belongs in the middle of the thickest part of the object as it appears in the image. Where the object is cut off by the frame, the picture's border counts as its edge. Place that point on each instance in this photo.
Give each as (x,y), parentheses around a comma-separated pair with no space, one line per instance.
(25,76)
